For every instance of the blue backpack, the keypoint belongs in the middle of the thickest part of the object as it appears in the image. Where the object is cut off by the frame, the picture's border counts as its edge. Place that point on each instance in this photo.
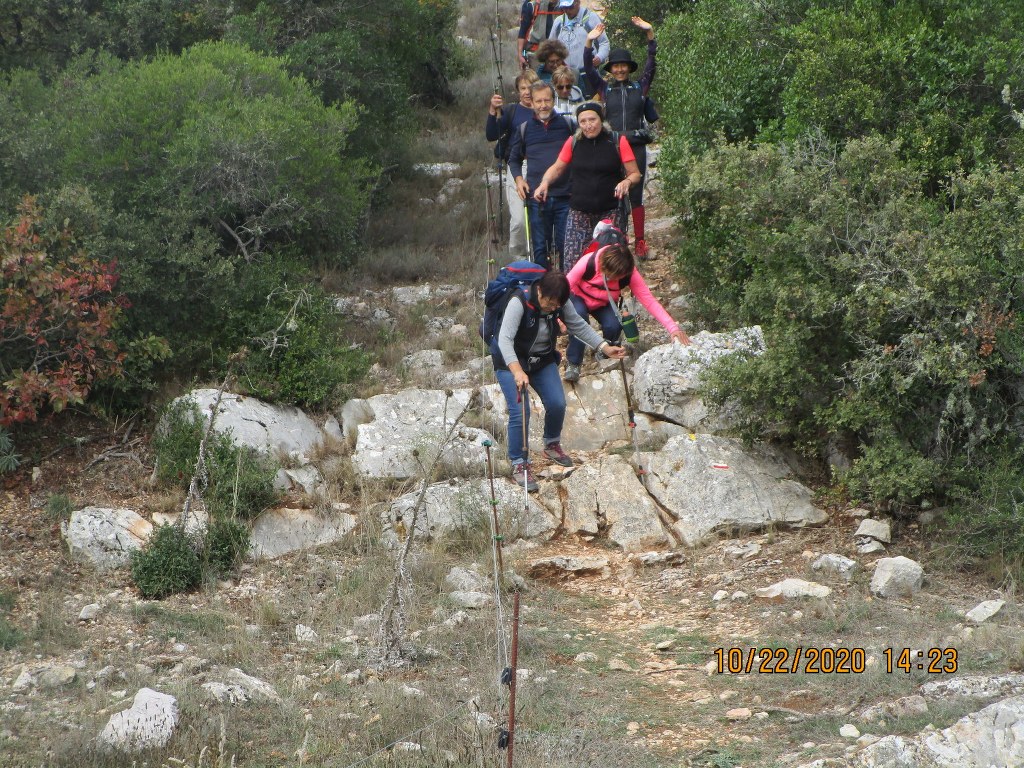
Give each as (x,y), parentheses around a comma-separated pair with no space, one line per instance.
(516,276)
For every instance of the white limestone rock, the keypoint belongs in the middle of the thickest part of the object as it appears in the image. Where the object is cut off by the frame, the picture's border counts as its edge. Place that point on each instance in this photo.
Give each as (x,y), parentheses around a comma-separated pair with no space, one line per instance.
(236,687)
(148,723)
(793,588)
(104,537)
(278,532)
(984,611)
(836,565)
(897,577)
(881,530)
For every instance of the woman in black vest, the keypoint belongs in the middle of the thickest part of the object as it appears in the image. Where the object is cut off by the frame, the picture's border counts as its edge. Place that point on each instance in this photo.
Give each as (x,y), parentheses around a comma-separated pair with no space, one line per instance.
(630,111)
(596,159)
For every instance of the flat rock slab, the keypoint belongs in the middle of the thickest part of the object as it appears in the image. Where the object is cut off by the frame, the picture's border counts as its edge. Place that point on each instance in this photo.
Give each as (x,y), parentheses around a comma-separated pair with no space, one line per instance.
(562,566)
(793,588)
(236,687)
(604,497)
(460,504)
(984,611)
(278,532)
(409,428)
(263,427)
(148,723)
(715,484)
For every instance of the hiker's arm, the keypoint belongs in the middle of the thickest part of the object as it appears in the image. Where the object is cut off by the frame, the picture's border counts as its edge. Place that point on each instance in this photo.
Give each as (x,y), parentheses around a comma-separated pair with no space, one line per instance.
(525,22)
(597,82)
(652,51)
(506,340)
(633,176)
(515,163)
(601,54)
(493,128)
(639,288)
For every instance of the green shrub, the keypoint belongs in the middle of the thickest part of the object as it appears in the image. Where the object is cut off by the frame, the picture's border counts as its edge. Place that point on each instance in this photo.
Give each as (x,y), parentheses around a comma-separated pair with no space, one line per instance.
(240,480)
(305,360)
(167,564)
(9,460)
(58,507)
(226,544)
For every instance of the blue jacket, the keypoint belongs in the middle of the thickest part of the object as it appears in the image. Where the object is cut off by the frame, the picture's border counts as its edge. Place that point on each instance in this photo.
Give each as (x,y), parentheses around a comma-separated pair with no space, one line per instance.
(539,144)
(500,129)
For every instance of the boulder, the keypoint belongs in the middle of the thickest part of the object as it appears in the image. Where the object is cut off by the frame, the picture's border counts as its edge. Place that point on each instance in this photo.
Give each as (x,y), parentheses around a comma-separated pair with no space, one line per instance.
(561,565)
(279,531)
(604,497)
(667,378)
(984,611)
(897,577)
(236,687)
(793,588)
(836,565)
(148,723)
(105,537)
(470,600)
(976,687)
(266,428)
(710,484)
(875,529)
(409,428)
(456,504)
(465,580)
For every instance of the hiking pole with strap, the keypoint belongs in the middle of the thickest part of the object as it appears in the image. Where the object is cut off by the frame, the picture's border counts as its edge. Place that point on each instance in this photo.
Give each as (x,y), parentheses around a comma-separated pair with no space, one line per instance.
(526,222)
(499,88)
(494,510)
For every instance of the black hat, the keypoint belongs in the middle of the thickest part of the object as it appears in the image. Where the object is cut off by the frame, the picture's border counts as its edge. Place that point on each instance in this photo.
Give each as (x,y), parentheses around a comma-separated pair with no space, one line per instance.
(620,56)
(590,106)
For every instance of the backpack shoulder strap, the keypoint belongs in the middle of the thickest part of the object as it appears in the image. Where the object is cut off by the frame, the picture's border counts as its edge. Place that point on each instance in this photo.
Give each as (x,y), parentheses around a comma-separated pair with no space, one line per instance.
(591,269)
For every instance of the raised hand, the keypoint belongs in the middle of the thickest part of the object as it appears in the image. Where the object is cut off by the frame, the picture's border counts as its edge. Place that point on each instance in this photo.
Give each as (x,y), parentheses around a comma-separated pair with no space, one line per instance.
(596,32)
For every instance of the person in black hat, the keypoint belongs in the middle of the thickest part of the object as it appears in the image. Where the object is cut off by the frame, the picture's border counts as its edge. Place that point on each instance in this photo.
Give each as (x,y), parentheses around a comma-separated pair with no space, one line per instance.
(630,110)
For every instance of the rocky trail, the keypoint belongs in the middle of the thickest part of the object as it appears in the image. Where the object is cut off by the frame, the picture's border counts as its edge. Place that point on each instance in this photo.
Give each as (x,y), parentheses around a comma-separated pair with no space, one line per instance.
(662,614)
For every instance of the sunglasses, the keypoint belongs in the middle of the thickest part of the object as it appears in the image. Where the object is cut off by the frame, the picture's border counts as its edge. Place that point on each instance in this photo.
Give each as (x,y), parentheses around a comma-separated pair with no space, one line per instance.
(567,87)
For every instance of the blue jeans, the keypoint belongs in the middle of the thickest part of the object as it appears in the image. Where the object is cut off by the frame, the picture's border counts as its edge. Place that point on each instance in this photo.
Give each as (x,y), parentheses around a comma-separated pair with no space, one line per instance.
(607,316)
(547,229)
(548,385)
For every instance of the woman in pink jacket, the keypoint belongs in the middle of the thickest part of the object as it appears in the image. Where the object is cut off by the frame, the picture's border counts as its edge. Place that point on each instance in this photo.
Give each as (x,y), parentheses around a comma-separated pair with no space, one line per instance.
(595,284)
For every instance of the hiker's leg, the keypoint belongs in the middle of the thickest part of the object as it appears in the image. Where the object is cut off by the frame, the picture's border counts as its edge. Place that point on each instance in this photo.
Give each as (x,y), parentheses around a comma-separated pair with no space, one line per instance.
(518,248)
(560,214)
(540,248)
(611,328)
(548,385)
(516,426)
(574,352)
(578,233)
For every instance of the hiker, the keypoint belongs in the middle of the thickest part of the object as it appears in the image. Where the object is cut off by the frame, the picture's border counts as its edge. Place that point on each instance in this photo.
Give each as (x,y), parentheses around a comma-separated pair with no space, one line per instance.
(551,54)
(595,285)
(572,28)
(501,124)
(535,21)
(538,141)
(523,352)
(629,111)
(568,96)
(596,161)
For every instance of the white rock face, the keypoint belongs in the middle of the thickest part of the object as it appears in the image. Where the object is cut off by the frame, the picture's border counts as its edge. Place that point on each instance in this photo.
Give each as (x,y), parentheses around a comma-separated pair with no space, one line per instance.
(279,531)
(470,600)
(836,565)
(236,687)
(667,376)
(353,413)
(465,580)
(605,496)
(258,425)
(407,431)
(875,529)
(456,504)
(149,722)
(993,736)
(984,611)
(105,537)
(305,480)
(976,687)
(793,588)
(709,484)
(897,577)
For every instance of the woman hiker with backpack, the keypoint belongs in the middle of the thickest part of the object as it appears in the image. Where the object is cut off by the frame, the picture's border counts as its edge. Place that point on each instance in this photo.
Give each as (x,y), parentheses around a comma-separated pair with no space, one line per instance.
(523,352)
(596,160)
(595,285)
(501,122)
(629,110)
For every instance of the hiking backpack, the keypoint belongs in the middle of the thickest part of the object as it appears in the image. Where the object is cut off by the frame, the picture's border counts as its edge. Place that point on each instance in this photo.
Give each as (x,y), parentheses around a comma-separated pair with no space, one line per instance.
(515,276)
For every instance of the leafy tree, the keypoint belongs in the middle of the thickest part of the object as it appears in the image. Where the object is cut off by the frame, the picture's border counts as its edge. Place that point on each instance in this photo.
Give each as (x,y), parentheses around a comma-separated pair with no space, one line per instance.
(58,308)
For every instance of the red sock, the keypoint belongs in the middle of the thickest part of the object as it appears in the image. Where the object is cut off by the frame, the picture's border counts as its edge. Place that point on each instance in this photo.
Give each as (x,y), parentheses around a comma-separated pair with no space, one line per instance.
(638,222)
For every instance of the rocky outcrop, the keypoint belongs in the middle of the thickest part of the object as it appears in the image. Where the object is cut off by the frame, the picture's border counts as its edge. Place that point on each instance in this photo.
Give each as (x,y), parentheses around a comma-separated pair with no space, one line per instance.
(106,538)
(710,484)
(280,531)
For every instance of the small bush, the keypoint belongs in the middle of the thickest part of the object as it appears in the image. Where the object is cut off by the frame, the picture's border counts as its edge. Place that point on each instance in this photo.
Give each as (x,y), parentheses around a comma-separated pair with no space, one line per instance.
(226,543)
(240,480)
(9,634)
(9,460)
(167,565)
(58,507)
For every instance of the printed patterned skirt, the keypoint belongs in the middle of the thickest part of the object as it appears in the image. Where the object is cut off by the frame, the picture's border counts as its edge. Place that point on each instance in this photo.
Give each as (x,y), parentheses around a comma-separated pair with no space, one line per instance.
(579,232)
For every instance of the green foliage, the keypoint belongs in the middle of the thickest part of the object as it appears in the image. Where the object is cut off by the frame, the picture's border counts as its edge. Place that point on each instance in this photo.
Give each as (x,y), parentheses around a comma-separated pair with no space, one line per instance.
(58,507)
(889,316)
(9,634)
(304,360)
(226,544)
(9,460)
(167,564)
(240,480)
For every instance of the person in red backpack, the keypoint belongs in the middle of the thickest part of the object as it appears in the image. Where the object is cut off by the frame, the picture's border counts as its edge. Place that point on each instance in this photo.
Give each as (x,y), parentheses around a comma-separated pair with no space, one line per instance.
(595,285)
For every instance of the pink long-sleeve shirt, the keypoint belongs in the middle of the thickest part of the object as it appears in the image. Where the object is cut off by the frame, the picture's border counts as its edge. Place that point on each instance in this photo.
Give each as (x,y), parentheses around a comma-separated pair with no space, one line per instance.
(594,295)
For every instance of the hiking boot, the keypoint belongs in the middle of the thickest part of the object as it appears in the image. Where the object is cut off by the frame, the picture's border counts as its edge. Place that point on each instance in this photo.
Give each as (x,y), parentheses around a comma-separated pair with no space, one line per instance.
(554,452)
(524,477)
(572,373)
(640,250)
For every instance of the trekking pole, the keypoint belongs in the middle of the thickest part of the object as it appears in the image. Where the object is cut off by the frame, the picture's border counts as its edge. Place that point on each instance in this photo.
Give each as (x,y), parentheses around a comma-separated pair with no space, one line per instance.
(526,221)
(640,471)
(499,88)
(512,678)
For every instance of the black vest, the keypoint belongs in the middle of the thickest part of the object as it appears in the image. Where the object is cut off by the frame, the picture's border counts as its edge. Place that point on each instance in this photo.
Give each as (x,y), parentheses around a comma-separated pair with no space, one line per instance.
(624,103)
(596,169)
(529,329)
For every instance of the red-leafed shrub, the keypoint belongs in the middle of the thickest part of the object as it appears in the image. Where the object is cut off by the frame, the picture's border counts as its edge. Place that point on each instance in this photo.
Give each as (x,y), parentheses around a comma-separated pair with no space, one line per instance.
(58,307)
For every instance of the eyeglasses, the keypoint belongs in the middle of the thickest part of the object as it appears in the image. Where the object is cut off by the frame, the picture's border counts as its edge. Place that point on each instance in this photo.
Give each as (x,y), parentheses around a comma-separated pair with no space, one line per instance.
(555,61)
(566,87)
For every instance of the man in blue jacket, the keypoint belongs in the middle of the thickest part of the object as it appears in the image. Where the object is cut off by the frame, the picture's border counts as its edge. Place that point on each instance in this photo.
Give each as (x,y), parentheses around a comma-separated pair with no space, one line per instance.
(538,141)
